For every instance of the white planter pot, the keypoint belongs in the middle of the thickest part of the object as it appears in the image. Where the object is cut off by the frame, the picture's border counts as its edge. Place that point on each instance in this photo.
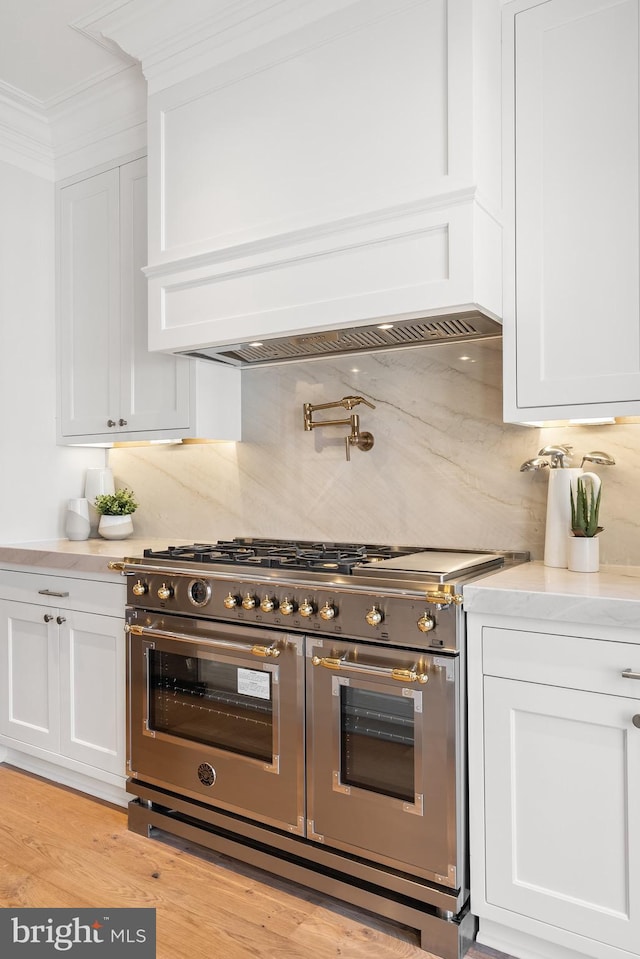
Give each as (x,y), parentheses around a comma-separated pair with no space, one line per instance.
(115,527)
(583,554)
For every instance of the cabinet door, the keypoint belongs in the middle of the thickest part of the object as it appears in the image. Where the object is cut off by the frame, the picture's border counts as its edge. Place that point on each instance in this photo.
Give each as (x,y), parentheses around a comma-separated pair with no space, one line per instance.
(562,795)
(92,690)
(154,386)
(89,304)
(29,691)
(572,289)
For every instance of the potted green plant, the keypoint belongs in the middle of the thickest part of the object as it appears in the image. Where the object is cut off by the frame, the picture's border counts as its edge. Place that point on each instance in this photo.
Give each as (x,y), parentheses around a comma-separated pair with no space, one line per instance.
(584,550)
(115,511)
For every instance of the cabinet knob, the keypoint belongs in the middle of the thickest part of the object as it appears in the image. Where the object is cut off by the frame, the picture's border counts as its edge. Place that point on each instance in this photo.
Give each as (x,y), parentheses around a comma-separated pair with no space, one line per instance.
(60,620)
(636,720)
(47,617)
(122,422)
(111,423)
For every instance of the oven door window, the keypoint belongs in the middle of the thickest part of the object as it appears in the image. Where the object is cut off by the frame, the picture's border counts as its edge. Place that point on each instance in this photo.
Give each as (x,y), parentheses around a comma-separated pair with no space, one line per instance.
(377,742)
(211,702)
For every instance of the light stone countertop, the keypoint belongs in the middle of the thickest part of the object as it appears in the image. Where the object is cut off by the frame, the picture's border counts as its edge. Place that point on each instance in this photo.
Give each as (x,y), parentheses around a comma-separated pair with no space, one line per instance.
(610,597)
(87,556)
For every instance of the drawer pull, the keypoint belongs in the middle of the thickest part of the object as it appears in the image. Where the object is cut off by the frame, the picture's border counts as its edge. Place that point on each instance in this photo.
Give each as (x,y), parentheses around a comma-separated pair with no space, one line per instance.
(51,592)
(629,674)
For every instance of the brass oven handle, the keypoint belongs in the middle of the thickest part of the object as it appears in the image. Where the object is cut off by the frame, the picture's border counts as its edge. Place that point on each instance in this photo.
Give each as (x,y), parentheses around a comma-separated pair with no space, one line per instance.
(255,650)
(395,672)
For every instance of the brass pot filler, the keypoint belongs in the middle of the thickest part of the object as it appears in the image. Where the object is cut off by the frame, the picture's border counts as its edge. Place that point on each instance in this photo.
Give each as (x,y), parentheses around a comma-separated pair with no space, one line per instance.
(363,440)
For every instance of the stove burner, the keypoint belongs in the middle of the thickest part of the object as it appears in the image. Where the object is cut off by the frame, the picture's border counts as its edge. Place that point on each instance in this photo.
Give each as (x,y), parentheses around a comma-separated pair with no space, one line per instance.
(284,554)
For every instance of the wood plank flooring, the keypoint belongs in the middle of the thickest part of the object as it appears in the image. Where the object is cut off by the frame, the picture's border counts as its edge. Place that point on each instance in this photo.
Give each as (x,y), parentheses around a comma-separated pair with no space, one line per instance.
(59,848)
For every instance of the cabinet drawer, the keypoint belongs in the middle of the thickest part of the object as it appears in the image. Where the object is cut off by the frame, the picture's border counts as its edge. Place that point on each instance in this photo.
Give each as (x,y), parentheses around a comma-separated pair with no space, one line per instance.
(568,661)
(64,592)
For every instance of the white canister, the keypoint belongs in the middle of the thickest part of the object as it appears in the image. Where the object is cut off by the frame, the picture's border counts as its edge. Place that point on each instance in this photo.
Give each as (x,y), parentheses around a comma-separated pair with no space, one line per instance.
(98,481)
(76,523)
(558,525)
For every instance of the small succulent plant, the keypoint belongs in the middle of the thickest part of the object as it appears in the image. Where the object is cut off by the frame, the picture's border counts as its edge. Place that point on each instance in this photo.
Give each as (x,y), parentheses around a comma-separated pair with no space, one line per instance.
(585,508)
(120,503)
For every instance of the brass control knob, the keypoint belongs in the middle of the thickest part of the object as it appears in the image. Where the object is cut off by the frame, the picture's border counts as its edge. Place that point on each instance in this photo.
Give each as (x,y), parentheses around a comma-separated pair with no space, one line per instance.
(267,605)
(249,602)
(230,601)
(306,608)
(287,607)
(374,617)
(426,623)
(165,592)
(327,612)
(139,589)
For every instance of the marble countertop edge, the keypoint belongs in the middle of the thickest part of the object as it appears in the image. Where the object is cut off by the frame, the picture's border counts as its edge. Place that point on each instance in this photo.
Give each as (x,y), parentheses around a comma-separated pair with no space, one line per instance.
(610,597)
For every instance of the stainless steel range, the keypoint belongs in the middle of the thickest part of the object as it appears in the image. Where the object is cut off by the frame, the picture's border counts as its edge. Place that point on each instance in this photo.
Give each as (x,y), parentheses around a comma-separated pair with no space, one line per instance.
(301,707)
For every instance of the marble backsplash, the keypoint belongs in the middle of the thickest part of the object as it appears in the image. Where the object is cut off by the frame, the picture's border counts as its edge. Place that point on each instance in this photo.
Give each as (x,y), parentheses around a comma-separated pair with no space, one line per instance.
(444,470)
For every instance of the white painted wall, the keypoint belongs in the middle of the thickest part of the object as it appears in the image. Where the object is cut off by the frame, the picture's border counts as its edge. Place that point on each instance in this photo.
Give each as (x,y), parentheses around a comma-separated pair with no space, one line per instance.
(36,476)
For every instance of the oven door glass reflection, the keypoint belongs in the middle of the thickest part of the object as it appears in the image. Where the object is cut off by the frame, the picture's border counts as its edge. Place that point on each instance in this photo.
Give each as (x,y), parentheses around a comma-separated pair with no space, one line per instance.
(211,702)
(377,742)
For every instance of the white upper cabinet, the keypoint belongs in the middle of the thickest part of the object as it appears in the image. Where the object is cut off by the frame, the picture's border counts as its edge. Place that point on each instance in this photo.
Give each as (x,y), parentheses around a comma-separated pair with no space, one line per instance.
(110,386)
(572,305)
(319,166)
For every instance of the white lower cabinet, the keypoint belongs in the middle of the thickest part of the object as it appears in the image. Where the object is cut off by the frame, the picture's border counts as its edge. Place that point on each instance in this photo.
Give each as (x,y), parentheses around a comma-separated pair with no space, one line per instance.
(62,682)
(554,790)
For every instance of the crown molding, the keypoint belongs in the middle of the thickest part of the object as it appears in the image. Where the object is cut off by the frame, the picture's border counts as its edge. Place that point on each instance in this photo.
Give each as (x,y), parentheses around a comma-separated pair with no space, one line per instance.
(100,122)
(25,133)
(176,41)
(101,119)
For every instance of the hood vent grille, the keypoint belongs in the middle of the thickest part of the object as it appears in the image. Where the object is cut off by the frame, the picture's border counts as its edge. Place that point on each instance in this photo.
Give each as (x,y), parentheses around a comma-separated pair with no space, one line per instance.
(363,339)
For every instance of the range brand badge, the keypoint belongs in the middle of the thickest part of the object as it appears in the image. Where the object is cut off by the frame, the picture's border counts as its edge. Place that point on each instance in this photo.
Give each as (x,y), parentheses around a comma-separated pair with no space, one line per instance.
(79,933)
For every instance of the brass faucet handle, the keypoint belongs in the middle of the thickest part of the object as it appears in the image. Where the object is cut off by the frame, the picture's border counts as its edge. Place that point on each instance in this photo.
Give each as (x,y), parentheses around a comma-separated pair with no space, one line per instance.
(350,401)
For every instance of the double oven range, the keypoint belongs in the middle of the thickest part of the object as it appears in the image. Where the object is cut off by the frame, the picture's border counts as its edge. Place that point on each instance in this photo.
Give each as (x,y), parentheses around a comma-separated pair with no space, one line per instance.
(301,707)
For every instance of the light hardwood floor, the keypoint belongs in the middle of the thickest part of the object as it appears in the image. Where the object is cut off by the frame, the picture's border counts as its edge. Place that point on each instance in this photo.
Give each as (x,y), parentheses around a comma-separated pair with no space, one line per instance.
(59,848)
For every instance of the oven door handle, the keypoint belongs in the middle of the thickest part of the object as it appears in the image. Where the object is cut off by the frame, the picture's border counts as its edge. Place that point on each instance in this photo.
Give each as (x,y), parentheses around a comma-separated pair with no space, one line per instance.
(255,650)
(400,674)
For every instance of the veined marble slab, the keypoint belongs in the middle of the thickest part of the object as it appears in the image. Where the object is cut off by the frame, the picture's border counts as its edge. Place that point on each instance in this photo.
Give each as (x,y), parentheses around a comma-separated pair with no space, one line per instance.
(610,597)
(87,556)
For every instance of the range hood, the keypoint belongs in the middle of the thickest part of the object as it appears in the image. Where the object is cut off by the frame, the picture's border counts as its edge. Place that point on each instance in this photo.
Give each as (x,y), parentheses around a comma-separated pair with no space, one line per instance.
(362,339)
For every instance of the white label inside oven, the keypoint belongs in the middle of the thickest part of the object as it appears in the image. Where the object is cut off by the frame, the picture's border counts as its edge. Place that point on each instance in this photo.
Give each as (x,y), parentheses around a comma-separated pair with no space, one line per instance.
(253,682)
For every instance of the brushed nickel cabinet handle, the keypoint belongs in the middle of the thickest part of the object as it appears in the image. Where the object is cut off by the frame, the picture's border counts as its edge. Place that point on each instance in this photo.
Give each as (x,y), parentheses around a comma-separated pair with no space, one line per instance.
(629,674)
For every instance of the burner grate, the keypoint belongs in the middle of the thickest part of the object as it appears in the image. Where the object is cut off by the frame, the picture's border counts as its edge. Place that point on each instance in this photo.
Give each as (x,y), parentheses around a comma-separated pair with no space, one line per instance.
(286,554)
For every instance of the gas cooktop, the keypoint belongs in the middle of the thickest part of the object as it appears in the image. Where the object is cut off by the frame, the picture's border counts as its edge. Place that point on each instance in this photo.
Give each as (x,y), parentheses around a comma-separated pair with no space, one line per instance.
(387,562)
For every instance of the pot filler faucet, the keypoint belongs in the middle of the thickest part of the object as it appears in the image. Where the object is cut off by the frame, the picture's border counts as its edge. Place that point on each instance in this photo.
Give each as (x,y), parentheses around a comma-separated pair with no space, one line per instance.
(363,440)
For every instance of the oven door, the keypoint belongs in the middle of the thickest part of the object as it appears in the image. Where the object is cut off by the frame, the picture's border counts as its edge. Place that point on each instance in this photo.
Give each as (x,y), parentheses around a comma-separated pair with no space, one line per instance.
(216,714)
(383,756)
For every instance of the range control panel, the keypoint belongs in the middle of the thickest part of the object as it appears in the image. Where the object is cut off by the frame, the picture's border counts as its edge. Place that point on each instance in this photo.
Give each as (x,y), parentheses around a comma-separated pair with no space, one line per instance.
(398,619)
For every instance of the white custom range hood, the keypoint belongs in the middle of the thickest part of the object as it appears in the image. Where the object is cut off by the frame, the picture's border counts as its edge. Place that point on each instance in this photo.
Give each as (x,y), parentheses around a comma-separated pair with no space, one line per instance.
(318,171)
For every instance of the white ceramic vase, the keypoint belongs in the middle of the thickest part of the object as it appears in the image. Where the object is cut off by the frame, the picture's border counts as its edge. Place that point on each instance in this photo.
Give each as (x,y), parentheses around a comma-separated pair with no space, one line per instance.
(583,554)
(76,521)
(97,482)
(115,527)
(558,524)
